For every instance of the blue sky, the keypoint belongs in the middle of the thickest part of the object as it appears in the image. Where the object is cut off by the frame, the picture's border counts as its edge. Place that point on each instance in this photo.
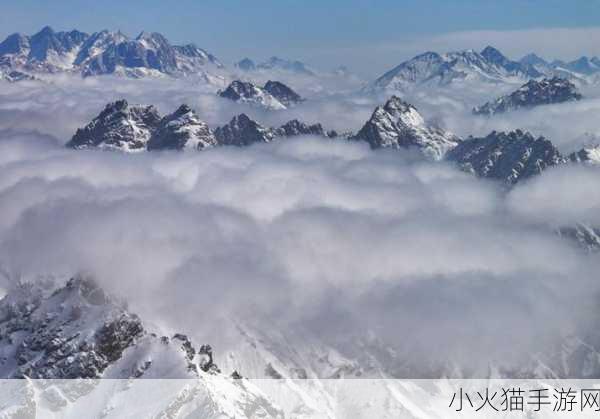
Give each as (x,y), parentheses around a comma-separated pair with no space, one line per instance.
(321,32)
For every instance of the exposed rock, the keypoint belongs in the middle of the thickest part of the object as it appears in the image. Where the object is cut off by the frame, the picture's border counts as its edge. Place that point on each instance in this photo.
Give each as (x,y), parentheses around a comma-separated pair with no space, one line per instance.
(119,126)
(182,129)
(509,157)
(533,93)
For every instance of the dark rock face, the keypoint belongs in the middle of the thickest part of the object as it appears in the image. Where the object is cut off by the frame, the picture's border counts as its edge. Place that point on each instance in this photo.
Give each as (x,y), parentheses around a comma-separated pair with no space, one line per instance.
(532,94)
(238,89)
(509,157)
(181,129)
(295,127)
(398,124)
(119,126)
(242,131)
(282,93)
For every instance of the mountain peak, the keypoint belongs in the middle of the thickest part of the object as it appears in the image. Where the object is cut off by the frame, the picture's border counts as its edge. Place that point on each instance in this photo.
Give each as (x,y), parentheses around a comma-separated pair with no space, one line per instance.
(494,55)
(531,94)
(46,30)
(398,124)
(506,156)
(266,97)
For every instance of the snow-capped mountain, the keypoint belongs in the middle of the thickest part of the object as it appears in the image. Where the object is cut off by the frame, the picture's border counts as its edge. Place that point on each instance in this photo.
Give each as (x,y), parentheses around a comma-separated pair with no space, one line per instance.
(136,128)
(119,127)
(64,339)
(582,65)
(533,93)
(180,130)
(398,124)
(275,63)
(274,95)
(489,65)
(79,331)
(509,157)
(102,53)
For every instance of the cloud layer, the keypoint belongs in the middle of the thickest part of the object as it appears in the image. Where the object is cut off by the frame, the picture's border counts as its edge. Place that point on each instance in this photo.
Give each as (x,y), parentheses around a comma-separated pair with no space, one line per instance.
(304,236)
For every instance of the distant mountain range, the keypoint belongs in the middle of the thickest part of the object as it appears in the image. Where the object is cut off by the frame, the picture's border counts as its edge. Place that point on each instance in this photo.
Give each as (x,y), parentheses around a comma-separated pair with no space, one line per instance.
(151,54)
(489,65)
(103,53)
(275,63)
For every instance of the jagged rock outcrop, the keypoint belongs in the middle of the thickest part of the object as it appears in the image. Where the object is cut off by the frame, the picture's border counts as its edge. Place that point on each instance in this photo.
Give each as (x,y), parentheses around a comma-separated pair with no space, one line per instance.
(79,331)
(295,127)
(533,93)
(180,130)
(589,154)
(509,157)
(243,131)
(119,127)
(399,125)
(136,128)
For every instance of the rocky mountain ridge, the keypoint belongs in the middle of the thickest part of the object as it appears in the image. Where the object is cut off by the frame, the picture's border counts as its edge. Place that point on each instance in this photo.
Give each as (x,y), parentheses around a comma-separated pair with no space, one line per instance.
(137,128)
(532,94)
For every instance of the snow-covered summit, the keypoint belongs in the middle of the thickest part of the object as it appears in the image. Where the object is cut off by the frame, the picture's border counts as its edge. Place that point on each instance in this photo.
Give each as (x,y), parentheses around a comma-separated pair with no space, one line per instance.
(489,65)
(273,95)
(182,129)
(398,124)
(118,127)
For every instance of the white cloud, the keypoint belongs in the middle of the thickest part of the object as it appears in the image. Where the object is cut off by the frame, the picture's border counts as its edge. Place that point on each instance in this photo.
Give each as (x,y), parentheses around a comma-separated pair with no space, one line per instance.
(302,237)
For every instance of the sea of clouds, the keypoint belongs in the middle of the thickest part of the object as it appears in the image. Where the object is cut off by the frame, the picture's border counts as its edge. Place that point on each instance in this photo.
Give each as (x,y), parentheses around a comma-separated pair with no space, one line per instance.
(330,238)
